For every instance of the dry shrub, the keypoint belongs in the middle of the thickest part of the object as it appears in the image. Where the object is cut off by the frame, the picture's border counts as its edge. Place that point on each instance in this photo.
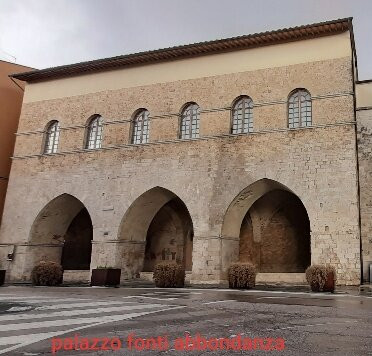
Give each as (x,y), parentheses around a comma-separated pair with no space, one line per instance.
(242,275)
(321,278)
(169,274)
(47,273)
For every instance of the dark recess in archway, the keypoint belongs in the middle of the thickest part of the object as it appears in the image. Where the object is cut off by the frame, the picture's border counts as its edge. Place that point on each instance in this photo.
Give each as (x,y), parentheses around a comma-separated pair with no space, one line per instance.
(169,237)
(77,248)
(275,234)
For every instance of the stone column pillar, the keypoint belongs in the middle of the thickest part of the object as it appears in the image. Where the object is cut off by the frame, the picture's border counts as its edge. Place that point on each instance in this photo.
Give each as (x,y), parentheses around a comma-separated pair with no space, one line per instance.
(339,249)
(20,266)
(32,253)
(126,255)
(229,254)
(212,256)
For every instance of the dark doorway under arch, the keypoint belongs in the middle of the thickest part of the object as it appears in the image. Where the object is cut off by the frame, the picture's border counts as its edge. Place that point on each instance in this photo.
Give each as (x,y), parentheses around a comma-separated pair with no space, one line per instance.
(156,227)
(77,247)
(169,237)
(62,232)
(275,234)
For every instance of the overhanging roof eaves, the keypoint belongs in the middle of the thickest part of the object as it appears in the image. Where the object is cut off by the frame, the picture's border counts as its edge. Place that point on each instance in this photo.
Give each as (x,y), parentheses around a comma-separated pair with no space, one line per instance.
(191,50)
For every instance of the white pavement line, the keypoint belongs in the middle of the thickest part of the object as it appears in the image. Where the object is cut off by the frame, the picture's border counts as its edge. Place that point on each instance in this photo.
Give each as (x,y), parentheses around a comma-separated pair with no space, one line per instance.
(141,296)
(221,301)
(277,297)
(50,301)
(14,340)
(16,309)
(103,320)
(166,295)
(310,325)
(257,291)
(177,296)
(181,293)
(7,295)
(79,305)
(65,313)
(41,300)
(306,294)
(2,296)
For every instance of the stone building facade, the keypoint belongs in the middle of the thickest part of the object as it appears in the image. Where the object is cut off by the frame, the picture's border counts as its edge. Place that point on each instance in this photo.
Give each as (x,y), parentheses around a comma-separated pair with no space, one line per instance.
(11,95)
(280,194)
(364,137)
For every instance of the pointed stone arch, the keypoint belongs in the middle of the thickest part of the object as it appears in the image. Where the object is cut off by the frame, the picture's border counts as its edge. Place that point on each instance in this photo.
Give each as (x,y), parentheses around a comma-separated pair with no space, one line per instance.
(62,232)
(155,227)
(265,214)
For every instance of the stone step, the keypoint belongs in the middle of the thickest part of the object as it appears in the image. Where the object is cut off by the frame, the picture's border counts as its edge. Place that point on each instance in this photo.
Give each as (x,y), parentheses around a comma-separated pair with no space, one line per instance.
(365,289)
(148,276)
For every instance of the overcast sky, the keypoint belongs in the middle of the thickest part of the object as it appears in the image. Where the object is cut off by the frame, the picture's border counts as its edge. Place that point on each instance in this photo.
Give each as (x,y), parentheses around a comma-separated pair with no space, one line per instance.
(45,33)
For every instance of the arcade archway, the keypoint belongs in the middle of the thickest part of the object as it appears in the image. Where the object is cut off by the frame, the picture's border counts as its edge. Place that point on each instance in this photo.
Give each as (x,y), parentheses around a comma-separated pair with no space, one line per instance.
(62,232)
(156,227)
(267,224)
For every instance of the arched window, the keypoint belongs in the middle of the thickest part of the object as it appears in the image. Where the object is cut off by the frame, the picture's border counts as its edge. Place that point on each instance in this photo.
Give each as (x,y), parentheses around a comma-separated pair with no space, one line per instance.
(190,121)
(94,132)
(51,137)
(141,126)
(299,109)
(242,115)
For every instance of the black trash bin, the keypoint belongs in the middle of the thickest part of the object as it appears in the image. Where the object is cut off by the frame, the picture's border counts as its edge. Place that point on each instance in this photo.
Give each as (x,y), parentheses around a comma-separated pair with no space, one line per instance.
(105,277)
(2,276)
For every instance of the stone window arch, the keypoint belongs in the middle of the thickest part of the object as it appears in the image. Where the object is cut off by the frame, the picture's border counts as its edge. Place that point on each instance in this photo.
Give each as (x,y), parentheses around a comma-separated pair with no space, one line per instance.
(299,109)
(94,132)
(242,115)
(190,119)
(51,137)
(141,127)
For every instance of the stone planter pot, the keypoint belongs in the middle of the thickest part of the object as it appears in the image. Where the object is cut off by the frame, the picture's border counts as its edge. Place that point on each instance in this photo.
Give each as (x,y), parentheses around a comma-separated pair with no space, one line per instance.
(329,285)
(105,277)
(2,276)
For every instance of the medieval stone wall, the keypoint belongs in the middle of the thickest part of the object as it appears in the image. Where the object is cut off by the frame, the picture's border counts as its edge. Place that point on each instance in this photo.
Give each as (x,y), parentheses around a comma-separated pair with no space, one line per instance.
(329,83)
(318,163)
(364,118)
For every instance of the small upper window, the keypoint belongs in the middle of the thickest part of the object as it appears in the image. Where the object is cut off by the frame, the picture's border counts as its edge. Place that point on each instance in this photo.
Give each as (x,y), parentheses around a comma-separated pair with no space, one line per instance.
(190,121)
(141,125)
(242,115)
(94,133)
(51,137)
(299,109)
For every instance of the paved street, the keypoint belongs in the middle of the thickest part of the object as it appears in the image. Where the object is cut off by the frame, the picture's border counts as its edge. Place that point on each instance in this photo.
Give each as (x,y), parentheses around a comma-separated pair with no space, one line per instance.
(128,321)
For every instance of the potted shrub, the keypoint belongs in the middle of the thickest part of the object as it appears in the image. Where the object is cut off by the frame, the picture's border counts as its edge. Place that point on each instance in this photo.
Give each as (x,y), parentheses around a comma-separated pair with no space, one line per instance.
(105,276)
(321,278)
(242,275)
(169,275)
(47,273)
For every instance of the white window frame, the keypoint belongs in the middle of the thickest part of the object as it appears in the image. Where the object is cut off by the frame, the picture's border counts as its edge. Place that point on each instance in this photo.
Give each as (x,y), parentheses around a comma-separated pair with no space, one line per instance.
(52,133)
(242,115)
(141,127)
(190,121)
(299,109)
(94,133)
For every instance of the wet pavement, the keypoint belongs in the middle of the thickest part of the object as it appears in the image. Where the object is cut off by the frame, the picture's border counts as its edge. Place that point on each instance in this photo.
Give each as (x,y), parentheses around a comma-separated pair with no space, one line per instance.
(33,319)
